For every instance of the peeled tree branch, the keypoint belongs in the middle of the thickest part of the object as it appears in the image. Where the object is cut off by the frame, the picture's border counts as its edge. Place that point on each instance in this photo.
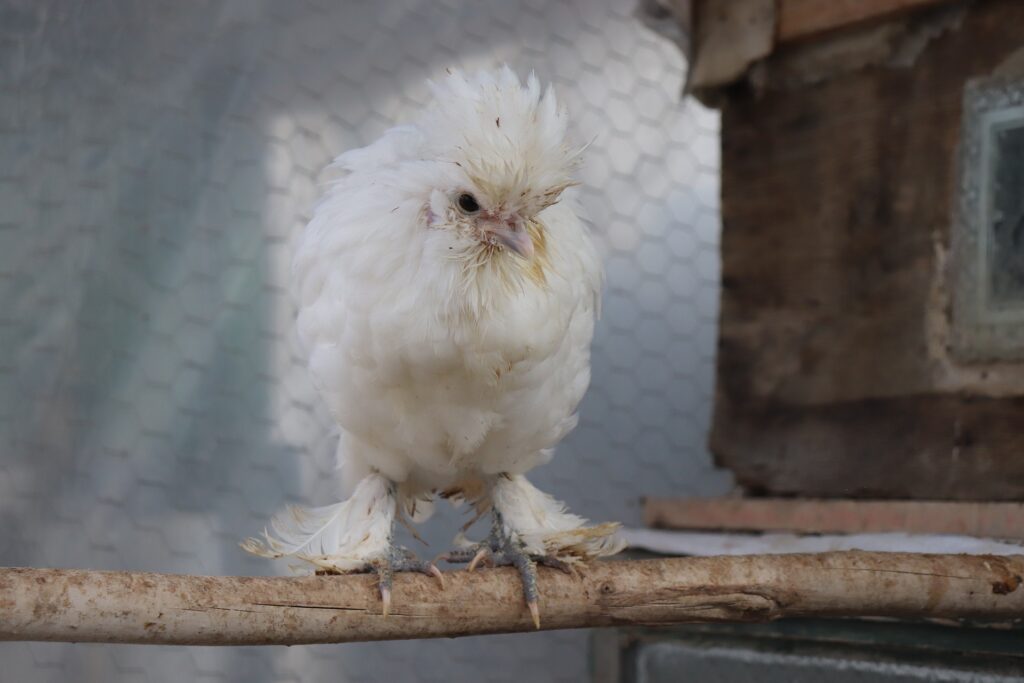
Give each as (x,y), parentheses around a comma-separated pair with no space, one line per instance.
(134,607)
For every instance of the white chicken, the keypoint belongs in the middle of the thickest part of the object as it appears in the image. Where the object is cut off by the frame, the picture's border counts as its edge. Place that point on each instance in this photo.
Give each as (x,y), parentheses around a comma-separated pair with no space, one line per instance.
(447,292)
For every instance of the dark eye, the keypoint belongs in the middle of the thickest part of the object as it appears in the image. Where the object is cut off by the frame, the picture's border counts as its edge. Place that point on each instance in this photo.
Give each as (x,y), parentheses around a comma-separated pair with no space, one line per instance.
(468,203)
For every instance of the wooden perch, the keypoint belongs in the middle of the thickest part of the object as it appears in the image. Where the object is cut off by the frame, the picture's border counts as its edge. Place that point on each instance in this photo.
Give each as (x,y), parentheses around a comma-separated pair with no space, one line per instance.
(129,607)
(990,520)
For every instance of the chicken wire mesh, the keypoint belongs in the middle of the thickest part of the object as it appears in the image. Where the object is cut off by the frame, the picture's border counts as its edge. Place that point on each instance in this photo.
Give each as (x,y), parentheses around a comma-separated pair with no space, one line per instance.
(155,159)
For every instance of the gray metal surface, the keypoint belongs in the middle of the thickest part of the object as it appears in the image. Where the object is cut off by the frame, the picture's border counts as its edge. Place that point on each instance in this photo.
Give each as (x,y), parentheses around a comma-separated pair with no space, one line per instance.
(677,662)
(809,650)
(155,158)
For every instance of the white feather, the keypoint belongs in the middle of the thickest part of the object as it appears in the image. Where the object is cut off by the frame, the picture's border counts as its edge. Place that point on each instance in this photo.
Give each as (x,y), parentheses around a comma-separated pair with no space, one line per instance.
(544,526)
(341,537)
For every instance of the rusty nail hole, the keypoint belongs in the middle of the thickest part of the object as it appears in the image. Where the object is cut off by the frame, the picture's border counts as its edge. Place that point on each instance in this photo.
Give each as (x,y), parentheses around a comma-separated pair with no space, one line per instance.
(607,588)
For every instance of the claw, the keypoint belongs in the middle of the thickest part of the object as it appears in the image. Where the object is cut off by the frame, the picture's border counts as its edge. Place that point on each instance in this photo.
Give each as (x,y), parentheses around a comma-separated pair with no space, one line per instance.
(405,561)
(436,573)
(398,560)
(503,548)
(385,576)
(385,600)
(480,555)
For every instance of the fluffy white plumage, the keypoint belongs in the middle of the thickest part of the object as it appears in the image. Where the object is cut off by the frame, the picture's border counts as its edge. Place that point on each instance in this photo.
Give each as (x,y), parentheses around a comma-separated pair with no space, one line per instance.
(450,344)
(340,537)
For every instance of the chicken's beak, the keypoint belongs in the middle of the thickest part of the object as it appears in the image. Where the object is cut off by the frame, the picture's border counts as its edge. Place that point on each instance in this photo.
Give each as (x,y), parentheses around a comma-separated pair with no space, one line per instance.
(513,234)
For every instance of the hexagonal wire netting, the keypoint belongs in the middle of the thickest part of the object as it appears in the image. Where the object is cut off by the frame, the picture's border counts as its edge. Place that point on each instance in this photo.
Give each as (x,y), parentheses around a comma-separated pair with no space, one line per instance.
(155,158)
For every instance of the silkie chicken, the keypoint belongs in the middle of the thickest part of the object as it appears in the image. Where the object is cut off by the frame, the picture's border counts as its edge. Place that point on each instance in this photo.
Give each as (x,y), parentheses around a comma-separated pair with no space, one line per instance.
(447,291)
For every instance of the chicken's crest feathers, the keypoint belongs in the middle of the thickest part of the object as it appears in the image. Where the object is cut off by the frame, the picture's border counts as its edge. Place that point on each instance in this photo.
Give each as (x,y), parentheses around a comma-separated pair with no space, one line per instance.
(508,137)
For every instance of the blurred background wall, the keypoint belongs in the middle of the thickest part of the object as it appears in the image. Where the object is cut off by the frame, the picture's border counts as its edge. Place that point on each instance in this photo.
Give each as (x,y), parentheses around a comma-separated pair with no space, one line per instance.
(156,157)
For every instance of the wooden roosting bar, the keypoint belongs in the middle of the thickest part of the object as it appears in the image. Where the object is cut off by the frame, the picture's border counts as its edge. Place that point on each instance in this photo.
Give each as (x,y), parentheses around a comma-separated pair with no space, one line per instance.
(131,607)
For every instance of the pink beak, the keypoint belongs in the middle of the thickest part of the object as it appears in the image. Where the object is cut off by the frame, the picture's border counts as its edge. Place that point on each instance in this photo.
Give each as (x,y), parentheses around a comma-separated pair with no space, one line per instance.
(513,235)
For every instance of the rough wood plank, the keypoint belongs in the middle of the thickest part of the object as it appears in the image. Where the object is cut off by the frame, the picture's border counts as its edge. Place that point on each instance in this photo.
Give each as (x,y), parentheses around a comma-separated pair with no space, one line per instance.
(127,607)
(989,520)
(917,446)
(836,207)
(727,38)
(802,19)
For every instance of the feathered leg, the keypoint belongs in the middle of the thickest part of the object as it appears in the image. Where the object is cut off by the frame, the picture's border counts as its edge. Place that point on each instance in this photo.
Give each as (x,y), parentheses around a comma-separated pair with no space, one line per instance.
(530,527)
(353,536)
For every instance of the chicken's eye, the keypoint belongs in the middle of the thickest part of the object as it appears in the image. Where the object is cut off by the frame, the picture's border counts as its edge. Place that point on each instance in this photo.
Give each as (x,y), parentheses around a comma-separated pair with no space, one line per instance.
(468,203)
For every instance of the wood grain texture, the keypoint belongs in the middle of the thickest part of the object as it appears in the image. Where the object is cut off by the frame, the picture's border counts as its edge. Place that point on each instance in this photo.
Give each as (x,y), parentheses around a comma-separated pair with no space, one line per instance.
(836,199)
(987,520)
(127,607)
(802,19)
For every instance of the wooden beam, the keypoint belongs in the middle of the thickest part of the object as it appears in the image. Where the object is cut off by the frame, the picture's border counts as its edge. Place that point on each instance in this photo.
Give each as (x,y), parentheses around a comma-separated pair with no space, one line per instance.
(802,19)
(728,36)
(989,520)
(130,607)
